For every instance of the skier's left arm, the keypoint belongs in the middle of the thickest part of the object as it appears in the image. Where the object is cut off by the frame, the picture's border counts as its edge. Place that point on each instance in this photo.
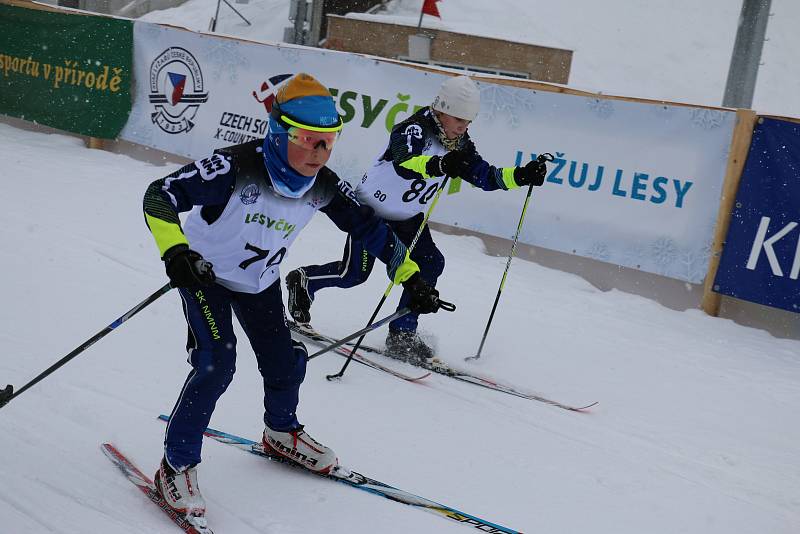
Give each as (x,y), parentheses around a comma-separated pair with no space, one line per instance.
(363,225)
(477,171)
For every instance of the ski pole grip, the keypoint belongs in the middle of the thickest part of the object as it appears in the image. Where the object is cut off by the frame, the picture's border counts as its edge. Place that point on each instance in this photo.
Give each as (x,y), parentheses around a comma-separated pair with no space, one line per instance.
(547,156)
(6,395)
(446,306)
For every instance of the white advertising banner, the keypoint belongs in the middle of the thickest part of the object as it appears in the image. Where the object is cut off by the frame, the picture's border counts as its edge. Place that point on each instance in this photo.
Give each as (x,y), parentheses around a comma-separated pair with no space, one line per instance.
(633,184)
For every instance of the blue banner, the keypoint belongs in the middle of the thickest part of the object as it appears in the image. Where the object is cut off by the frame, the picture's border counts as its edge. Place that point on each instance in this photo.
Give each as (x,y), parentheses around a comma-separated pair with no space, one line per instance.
(761,258)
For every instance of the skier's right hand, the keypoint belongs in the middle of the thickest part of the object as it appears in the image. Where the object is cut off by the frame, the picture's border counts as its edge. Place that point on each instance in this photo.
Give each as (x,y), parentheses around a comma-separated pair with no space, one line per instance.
(533,173)
(455,163)
(424,298)
(187,268)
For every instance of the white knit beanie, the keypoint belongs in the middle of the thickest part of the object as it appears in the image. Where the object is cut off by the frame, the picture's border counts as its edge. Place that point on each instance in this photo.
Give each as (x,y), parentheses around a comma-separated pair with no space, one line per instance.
(460,97)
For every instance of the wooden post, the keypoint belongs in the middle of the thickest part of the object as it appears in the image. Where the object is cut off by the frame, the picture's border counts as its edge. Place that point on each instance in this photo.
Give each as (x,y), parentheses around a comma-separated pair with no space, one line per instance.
(740,146)
(94,142)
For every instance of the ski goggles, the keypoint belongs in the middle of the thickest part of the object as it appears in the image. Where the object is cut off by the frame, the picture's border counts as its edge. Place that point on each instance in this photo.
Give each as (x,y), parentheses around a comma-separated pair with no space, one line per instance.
(311,139)
(308,137)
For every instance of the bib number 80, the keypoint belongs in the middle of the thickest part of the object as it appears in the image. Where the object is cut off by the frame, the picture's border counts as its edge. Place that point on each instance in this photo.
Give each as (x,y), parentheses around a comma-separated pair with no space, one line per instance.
(417,188)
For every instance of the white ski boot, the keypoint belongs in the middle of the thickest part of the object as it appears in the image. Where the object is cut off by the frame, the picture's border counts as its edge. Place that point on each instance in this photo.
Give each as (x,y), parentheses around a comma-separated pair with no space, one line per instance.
(182,494)
(301,448)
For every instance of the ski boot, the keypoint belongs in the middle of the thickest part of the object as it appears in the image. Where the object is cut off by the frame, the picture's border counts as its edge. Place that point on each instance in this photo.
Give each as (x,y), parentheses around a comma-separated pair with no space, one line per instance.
(181,492)
(299,301)
(297,446)
(409,347)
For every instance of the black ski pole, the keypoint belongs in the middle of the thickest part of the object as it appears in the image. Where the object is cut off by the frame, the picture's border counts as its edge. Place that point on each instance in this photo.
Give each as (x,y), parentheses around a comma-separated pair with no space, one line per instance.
(366,329)
(447,306)
(391,284)
(7,394)
(542,158)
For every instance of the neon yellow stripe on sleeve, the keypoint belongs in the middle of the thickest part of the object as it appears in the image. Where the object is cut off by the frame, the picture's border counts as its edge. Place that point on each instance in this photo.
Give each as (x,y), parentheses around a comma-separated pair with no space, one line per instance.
(417,164)
(508,177)
(166,234)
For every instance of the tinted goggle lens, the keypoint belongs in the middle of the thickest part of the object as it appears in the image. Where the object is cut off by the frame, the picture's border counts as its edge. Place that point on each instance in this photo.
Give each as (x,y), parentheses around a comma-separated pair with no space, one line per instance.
(310,139)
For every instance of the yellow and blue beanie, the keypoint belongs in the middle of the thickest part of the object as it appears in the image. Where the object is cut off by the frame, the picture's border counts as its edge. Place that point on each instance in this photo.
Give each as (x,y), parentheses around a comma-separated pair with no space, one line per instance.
(304,102)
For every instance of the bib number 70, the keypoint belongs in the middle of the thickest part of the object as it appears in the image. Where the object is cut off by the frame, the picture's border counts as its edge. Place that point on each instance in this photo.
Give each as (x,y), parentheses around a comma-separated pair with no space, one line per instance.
(262,254)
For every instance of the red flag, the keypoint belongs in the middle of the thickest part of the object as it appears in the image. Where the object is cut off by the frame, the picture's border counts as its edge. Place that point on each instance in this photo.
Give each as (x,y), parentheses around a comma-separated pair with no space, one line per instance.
(429,8)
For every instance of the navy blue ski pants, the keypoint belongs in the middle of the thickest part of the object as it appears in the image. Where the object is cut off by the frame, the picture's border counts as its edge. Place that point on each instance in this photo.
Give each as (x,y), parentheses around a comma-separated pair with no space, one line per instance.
(212,354)
(357,263)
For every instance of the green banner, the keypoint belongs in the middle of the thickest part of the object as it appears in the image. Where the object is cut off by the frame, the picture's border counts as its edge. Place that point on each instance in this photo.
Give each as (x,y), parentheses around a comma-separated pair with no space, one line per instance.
(71,72)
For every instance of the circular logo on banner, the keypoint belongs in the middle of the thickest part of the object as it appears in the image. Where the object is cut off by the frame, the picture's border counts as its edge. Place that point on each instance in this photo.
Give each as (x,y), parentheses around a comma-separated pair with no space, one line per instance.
(268,88)
(176,90)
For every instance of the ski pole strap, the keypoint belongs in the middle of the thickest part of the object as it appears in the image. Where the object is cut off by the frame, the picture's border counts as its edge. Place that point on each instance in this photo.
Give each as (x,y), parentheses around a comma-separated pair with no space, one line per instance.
(446,306)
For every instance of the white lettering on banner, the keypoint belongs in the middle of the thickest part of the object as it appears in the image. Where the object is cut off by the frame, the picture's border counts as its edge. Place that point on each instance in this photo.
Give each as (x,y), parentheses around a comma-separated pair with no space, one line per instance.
(761,241)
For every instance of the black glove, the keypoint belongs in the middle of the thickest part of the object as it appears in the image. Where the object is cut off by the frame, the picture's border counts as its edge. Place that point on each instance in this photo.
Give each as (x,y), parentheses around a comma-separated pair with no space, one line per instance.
(424,298)
(532,173)
(187,268)
(454,164)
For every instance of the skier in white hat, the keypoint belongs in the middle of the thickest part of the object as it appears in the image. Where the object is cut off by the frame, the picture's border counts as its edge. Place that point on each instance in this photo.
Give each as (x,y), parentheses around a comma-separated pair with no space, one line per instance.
(422,150)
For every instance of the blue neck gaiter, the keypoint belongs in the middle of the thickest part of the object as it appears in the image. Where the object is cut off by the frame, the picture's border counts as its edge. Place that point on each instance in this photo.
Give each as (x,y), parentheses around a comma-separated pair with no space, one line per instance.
(310,110)
(285,180)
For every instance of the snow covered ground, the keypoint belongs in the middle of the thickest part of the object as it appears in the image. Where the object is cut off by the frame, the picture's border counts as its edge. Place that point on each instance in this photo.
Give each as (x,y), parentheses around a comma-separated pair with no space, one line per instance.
(696,431)
(676,51)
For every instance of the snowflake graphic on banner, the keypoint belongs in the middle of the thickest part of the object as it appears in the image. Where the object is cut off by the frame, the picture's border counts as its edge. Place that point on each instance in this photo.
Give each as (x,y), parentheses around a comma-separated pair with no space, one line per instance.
(227,57)
(348,168)
(693,264)
(634,255)
(663,252)
(290,55)
(601,107)
(707,119)
(500,99)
